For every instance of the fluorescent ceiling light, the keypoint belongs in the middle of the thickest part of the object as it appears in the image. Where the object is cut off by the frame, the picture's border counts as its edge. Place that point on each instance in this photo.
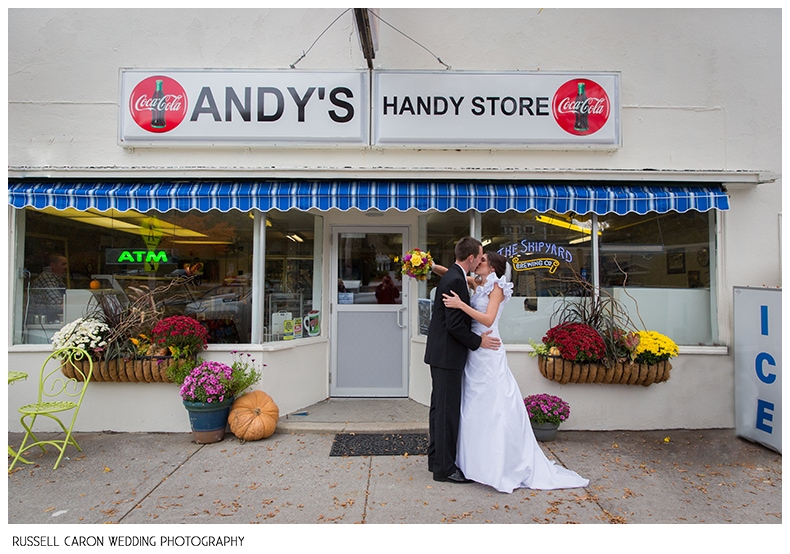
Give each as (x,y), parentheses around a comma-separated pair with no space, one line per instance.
(101,221)
(127,222)
(199,241)
(633,248)
(564,224)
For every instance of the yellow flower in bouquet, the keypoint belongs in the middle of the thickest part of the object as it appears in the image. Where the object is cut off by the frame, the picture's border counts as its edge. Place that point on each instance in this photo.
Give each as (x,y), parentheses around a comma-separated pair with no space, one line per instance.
(417,264)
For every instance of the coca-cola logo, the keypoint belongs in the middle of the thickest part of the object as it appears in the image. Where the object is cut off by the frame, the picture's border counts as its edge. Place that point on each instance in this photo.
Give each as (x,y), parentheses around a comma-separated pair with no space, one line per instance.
(158,104)
(581,107)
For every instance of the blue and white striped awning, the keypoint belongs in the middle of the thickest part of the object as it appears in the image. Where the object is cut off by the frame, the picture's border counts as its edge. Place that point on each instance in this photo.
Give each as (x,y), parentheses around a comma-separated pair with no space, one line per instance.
(579,198)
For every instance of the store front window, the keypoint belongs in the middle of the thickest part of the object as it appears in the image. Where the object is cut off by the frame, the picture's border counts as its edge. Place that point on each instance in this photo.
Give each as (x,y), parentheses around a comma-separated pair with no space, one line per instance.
(550,254)
(657,265)
(199,264)
(292,288)
(443,230)
(660,267)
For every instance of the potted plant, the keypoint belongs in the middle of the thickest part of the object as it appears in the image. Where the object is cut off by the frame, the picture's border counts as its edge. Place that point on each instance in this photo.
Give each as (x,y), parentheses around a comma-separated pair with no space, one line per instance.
(595,342)
(577,342)
(181,337)
(546,413)
(632,357)
(653,348)
(87,333)
(128,352)
(208,391)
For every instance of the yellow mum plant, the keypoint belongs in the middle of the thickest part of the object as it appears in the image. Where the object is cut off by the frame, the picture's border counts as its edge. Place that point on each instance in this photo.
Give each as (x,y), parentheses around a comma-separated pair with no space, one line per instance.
(654,347)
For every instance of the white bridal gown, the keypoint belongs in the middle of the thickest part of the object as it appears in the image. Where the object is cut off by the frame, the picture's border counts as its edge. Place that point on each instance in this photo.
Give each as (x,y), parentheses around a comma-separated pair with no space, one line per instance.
(496,445)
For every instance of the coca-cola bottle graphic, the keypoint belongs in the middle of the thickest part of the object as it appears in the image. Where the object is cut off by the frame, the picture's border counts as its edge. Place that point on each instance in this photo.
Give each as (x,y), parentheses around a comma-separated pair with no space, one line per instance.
(158,107)
(581,109)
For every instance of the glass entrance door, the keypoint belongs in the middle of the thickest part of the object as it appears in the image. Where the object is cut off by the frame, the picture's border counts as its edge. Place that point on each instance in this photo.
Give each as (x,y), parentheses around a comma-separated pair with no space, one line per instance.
(369,313)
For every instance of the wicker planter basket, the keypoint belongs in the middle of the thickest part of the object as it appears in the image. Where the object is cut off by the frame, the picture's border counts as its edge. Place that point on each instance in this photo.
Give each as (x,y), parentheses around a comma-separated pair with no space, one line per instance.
(151,369)
(622,373)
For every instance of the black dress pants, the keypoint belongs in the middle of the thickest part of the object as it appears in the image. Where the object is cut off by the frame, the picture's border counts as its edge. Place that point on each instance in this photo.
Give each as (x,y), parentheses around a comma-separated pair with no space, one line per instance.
(443,418)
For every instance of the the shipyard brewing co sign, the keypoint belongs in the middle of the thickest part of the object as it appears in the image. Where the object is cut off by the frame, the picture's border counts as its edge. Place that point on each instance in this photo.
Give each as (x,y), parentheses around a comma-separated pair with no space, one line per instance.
(294,108)
(528,255)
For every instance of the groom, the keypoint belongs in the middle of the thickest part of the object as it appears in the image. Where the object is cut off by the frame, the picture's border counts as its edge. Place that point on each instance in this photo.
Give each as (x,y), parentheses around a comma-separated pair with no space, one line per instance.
(450,338)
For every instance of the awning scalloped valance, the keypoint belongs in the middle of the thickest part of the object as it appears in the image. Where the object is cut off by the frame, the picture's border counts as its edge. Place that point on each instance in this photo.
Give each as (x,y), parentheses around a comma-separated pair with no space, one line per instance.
(264,195)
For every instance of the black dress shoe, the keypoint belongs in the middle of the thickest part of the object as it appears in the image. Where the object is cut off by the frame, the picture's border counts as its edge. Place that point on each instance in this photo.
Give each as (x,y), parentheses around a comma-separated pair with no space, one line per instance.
(455,477)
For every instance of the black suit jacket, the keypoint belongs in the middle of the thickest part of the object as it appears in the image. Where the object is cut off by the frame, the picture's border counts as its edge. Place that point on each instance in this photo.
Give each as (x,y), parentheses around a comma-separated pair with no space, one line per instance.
(450,336)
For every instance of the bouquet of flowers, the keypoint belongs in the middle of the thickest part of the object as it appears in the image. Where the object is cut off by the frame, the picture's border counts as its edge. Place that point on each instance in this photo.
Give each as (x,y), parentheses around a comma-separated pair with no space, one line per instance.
(654,347)
(417,264)
(216,382)
(577,342)
(86,333)
(544,408)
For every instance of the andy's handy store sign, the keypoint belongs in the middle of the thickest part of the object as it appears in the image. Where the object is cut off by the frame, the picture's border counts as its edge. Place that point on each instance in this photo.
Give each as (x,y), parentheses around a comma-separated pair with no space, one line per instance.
(361,108)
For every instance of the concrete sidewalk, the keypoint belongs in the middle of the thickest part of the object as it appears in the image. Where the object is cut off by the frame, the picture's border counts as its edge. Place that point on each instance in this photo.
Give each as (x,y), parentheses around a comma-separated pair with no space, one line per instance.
(679,476)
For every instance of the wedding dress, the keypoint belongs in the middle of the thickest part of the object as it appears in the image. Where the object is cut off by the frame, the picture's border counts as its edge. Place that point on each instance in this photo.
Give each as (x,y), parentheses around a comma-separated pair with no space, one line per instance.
(496,445)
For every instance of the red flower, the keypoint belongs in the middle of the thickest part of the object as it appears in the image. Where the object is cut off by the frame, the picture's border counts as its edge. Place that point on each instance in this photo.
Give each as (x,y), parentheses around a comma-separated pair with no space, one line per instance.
(183,335)
(577,342)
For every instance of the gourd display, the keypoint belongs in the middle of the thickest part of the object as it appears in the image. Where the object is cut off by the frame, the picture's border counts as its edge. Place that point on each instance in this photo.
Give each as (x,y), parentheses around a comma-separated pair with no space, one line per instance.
(253,416)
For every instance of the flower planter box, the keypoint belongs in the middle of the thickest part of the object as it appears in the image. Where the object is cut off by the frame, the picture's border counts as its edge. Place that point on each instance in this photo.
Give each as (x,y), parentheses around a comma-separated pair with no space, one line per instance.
(623,373)
(151,369)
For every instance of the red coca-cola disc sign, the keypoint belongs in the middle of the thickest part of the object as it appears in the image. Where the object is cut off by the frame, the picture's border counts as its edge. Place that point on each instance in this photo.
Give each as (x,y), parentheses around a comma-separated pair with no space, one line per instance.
(581,107)
(158,104)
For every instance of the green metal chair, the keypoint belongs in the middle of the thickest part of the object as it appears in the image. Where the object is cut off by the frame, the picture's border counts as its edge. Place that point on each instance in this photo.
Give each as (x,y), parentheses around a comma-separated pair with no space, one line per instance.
(58,396)
(14,376)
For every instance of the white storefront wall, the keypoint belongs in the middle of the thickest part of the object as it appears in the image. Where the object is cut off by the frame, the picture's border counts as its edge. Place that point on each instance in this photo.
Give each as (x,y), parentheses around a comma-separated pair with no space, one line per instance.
(699,104)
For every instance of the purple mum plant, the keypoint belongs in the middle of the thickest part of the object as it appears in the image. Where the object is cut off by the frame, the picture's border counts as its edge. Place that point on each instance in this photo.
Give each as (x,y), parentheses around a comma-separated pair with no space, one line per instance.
(545,408)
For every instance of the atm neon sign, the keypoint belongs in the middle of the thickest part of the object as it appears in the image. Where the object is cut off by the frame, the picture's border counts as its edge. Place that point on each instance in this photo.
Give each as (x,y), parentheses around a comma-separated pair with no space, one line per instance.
(120,256)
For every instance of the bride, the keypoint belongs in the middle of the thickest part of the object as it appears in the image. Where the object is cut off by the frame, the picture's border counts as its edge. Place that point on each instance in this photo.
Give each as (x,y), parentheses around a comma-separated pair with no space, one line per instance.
(496,445)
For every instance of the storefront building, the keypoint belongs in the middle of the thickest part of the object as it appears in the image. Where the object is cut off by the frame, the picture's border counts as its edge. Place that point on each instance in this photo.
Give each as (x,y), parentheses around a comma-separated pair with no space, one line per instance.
(279,194)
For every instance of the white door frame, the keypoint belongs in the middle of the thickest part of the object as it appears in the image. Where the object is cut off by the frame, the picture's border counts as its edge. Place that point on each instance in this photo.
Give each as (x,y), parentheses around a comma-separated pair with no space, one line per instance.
(396,317)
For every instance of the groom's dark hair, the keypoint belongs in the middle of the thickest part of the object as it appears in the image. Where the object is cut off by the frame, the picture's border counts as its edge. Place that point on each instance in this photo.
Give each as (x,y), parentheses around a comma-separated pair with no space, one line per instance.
(467,246)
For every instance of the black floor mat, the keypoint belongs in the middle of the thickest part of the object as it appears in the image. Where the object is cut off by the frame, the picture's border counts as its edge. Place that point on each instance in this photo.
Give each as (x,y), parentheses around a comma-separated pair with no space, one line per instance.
(380,444)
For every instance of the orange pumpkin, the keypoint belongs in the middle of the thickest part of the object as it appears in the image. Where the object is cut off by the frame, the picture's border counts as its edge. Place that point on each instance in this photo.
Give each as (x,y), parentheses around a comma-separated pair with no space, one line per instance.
(253,416)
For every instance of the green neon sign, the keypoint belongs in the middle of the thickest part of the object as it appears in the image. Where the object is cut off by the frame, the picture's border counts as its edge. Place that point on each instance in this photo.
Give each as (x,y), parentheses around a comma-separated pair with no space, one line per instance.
(123,256)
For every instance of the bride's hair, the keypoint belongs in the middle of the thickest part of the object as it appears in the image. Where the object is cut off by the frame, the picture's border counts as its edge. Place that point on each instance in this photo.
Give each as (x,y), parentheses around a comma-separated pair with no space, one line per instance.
(498,262)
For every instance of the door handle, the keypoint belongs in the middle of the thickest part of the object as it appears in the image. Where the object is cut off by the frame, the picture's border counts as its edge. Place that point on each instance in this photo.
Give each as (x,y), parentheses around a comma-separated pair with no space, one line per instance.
(399,312)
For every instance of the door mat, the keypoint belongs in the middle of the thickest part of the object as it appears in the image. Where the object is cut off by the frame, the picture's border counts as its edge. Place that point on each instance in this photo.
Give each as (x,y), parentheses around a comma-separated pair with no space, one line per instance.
(380,444)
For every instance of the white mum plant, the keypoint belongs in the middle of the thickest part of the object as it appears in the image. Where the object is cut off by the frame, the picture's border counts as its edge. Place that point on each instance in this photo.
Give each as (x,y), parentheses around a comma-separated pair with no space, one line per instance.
(86,333)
